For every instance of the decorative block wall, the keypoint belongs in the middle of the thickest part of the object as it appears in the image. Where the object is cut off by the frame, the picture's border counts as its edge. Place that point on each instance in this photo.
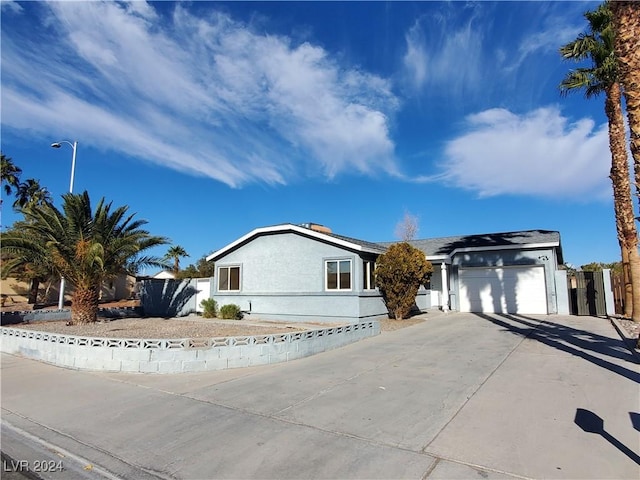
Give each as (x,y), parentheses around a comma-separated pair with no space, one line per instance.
(178,355)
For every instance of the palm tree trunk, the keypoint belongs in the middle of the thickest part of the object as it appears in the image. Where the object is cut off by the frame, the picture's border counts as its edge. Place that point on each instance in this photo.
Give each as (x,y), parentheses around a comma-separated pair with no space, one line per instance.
(33,291)
(626,281)
(617,206)
(634,267)
(626,20)
(622,197)
(84,305)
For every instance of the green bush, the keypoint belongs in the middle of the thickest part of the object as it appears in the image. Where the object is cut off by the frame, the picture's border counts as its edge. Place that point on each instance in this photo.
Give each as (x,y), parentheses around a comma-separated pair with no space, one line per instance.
(230,312)
(210,307)
(399,273)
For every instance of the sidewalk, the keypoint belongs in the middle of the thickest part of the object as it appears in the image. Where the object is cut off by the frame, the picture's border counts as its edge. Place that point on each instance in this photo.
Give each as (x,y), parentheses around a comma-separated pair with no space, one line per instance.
(459,396)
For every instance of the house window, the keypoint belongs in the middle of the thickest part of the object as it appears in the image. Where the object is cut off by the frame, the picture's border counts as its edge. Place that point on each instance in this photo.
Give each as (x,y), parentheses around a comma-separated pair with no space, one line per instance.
(228,279)
(338,274)
(368,275)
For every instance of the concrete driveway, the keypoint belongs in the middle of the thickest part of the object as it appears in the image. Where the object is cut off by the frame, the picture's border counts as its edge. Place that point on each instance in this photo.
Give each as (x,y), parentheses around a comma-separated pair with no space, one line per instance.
(459,396)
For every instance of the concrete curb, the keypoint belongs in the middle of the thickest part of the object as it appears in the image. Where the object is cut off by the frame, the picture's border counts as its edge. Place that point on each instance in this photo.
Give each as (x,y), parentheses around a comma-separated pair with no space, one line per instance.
(626,338)
(135,355)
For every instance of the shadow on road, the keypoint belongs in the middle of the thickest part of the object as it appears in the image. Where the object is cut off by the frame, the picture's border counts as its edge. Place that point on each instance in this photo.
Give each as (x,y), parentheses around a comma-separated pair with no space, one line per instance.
(574,341)
(591,423)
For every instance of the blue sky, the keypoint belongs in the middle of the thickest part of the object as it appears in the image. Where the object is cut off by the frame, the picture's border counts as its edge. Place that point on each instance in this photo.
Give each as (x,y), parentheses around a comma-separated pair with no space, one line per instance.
(210,119)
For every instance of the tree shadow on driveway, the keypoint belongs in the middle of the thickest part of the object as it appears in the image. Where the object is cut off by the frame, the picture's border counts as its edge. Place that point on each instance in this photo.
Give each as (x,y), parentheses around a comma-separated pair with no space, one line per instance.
(571,340)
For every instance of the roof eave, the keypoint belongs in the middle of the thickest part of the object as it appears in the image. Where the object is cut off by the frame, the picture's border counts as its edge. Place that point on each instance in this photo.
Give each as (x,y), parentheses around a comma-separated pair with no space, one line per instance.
(518,246)
(291,228)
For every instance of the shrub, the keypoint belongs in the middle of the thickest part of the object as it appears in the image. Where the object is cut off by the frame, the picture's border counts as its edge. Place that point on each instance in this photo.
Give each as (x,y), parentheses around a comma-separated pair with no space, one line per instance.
(230,312)
(210,307)
(399,273)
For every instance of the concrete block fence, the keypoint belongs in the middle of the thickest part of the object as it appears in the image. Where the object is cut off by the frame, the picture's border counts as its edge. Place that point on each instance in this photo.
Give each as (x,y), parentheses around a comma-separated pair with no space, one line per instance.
(177,355)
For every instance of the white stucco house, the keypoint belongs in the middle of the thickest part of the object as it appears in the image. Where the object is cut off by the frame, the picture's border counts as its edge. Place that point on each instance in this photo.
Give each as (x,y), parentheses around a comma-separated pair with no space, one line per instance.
(305,272)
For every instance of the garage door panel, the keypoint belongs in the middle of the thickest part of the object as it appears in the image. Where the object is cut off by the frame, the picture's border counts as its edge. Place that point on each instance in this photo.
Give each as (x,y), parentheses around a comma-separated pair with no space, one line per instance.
(503,290)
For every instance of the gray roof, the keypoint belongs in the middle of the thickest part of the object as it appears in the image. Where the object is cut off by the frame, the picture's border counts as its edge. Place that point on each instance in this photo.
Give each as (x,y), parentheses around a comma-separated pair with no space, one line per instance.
(363,243)
(345,242)
(446,245)
(432,247)
(356,241)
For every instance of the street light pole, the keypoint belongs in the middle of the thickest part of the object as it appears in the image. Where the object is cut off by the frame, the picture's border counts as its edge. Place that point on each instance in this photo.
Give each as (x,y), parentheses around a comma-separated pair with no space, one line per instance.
(74,146)
(73,166)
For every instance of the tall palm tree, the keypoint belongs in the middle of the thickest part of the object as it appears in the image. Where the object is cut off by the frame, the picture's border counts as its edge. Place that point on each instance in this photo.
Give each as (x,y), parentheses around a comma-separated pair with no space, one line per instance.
(9,174)
(626,22)
(603,77)
(175,253)
(85,247)
(29,194)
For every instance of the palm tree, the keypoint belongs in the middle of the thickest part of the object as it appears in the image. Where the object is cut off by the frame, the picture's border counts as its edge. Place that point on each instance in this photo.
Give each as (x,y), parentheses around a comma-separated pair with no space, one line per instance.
(175,253)
(626,22)
(25,266)
(603,77)
(10,174)
(85,247)
(29,194)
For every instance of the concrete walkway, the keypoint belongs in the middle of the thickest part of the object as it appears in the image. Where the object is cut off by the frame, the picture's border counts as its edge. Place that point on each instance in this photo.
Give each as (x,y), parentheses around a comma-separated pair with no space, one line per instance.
(460,396)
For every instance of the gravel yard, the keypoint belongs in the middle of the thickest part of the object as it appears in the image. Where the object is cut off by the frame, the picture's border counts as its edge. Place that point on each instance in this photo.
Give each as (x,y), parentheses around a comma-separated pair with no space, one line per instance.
(160,328)
(187,327)
(632,328)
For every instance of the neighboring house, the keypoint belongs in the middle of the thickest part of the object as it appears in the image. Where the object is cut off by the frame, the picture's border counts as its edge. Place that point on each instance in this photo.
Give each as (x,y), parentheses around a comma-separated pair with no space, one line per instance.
(16,291)
(303,272)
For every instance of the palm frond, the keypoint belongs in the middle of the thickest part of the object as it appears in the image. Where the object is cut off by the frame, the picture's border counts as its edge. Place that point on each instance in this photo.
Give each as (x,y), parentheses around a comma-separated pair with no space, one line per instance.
(83,245)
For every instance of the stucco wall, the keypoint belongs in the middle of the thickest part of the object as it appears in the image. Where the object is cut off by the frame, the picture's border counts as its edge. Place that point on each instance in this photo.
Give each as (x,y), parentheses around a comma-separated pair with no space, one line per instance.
(283,276)
(286,262)
(562,292)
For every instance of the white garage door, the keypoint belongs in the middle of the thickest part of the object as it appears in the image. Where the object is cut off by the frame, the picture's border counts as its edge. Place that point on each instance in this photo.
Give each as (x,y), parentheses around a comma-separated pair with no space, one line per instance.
(503,290)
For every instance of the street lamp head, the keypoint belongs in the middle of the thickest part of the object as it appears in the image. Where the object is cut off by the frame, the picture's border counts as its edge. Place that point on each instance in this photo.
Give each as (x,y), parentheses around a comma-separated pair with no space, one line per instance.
(55,145)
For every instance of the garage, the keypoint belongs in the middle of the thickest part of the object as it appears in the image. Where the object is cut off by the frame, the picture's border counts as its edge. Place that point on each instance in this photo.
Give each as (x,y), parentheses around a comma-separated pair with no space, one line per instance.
(503,290)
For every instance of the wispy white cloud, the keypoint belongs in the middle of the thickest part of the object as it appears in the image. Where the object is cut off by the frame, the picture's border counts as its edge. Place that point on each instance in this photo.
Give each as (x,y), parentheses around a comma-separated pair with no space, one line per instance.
(471,54)
(10,5)
(443,54)
(549,39)
(540,153)
(205,95)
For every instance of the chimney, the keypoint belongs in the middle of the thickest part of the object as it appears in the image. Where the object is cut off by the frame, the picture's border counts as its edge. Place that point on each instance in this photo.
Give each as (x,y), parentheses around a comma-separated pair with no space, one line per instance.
(317,227)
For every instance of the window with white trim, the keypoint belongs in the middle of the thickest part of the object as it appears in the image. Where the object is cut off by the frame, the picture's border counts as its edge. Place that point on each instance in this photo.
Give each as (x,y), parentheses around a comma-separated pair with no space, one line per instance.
(228,279)
(368,275)
(338,274)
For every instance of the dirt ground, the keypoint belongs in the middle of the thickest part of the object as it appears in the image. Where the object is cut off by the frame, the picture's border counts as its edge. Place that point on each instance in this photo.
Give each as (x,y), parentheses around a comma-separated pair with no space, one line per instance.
(185,327)
(180,328)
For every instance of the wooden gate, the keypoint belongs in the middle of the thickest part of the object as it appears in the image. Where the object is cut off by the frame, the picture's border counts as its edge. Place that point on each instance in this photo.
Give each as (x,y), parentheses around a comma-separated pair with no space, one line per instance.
(587,295)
